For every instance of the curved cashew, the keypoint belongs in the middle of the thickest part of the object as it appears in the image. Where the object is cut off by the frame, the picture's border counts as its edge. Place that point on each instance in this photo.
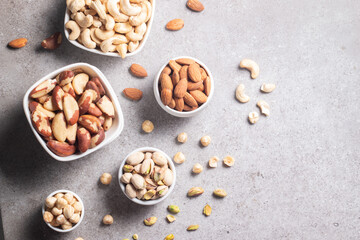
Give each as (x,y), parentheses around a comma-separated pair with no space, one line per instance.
(75,5)
(75,29)
(84,21)
(139,19)
(99,8)
(122,49)
(93,37)
(137,33)
(240,95)
(136,1)
(128,9)
(267,87)
(133,46)
(97,23)
(109,44)
(91,12)
(86,39)
(72,16)
(104,34)
(109,22)
(123,27)
(264,107)
(149,10)
(114,11)
(252,66)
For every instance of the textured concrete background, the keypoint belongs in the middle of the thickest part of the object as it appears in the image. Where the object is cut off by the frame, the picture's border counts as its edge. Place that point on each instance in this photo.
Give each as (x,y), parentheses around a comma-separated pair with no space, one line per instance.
(296,174)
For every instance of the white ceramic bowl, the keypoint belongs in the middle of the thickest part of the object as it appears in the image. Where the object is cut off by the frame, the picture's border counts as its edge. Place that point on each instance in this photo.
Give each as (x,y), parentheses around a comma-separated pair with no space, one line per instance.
(149,202)
(112,54)
(173,111)
(82,212)
(110,135)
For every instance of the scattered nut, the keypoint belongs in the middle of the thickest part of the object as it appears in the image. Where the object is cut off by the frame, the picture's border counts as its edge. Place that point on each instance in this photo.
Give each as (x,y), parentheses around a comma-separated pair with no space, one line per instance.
(197,168)
(182,137)
(133,93)
(213,162)
(52,42)
(220,193)
(229,161)
(135,237)
(179,158)
(195,191)
(108,220)
(175,24)
(253,117)
(138,70)
(195,5)
(173,209)
(150,221)
(79,238)
(264,107)
(240,95)
(147,126)
(170,218)
(106,178)
(207,210)
(267,87)
(18,43)
(205,141)
(252,66)
(169,237)
(192,227)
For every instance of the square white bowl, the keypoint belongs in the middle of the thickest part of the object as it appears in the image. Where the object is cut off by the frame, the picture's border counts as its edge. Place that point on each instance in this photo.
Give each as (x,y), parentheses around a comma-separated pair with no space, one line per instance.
(110,135)
(112,54)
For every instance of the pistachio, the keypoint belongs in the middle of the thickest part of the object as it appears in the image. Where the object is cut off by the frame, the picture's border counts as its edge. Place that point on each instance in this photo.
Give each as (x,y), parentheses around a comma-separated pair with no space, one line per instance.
(50,202)
(213,162)
(207,210)
(130,191)
(195,191)
(148,155)
(197,168)
(126,177)
(138,181)
(170,218)
(149,194)
(160,183)
(147,166)
(220,192)
(159,173)
(229,161)
(168,177)
(137,168)
(140,193)
(192,227)
(135,158)
(162,190)
(150,221)
(150,184)
(128,168)
(135,237)
(179,158)
(169,237)
(159,158)
(173,209)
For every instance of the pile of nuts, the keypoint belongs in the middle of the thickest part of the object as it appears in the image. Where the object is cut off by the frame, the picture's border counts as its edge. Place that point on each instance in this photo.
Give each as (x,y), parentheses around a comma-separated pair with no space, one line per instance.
(72,108)
(62,210)
(111,26)
(184,85)
(147,175)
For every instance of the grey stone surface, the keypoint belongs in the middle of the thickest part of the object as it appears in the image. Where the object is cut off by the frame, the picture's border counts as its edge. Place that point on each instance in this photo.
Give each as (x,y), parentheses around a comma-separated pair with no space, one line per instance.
(296,174)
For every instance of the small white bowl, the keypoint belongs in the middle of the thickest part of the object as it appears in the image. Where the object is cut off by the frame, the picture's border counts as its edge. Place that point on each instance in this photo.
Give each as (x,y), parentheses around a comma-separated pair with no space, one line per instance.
(174,112)
(112,54)
(82,212)
(149,202)
(110,135)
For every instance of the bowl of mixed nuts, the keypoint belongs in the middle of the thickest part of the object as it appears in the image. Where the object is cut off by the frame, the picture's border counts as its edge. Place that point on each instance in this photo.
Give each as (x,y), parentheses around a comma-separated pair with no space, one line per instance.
(147,176)
(63,211)
(184,86)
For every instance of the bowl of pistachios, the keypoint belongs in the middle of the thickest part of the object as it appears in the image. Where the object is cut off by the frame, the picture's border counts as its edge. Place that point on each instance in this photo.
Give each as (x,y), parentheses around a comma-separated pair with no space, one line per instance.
(147,176)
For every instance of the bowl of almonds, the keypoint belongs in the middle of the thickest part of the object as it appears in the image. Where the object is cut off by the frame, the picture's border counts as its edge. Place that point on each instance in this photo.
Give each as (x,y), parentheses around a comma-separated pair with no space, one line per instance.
(63,211)
(184,86)
(147,176)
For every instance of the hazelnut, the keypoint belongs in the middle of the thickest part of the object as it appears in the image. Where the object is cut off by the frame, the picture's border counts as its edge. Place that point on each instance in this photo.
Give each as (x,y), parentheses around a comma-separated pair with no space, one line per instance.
(213,162)
(79,238)
(179,158)
(69,198)
(48,217)
(205,141)
(106,178)
(77,207)
(147,126)
(67,225)
(197,168)
(68,211)
(50,202)
(75,218)
(229,161)
(60,219)
(59,195)
(56,211)
(182,137)
(61,203)
(108,220)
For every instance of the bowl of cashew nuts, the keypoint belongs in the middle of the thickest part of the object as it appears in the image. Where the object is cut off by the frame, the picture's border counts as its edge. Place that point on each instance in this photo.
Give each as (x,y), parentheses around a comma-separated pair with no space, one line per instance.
(117,28)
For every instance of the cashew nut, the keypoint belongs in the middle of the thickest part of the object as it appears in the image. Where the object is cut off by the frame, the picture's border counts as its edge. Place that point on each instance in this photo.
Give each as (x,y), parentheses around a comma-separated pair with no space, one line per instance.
(109,22)
(240,95)
(137,33)
(82,20)
(139,19)
(75,5)
(75,29)
(88,2)
(114,11)
(252,66)
(109,44)
(104,34)
(97,23)
(91,12)
(123,27)
(129,9)
(253,117)
(136,1)
(267,87)
(264,107)
(93,37)
(149,9)
(86,39)
(72,16)
(99,8)
(133,46)
(122,49)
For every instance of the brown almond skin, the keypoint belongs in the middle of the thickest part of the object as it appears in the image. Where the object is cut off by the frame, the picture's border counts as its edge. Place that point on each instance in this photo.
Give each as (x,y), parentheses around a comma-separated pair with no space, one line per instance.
(175,77)
(98,83)
(174,65)
(179,104)
(18,43)
(195,5)
(133,93)
(61,149)
(166,82)
(193,85)
(201,87)
(175,25)
(138,70)
(190,100)
(199,96)
(52,42)
(187,108)
(166,70)
(194,72)
(184,61)
(166,96)
(184,72)
(207,86)
(172,103)
(180,88)
(83,137)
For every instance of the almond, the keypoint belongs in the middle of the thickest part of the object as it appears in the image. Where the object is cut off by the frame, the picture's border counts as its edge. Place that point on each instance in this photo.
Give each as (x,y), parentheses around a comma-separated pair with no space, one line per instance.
(193,86)
(175,24)
(83,137)
(207,86)
(189,100)
(61,148)
(138,71)
(194,72)
(18,43)
(166,96)
(201,88)
(90,122)
(185,61)
(179,104)
(199,96)
(52,42)
(165,82)
(180,88)
(166,70)
(175,77)
(106,106)
(59,128)
(174,65)
(133,93)
(184,72)
(187,108)
(203,74)
(172,103)
(195,5)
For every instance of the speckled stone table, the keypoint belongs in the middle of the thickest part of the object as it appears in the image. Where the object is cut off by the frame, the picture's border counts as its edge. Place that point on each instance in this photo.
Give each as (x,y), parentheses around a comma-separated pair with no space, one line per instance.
(296,174)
